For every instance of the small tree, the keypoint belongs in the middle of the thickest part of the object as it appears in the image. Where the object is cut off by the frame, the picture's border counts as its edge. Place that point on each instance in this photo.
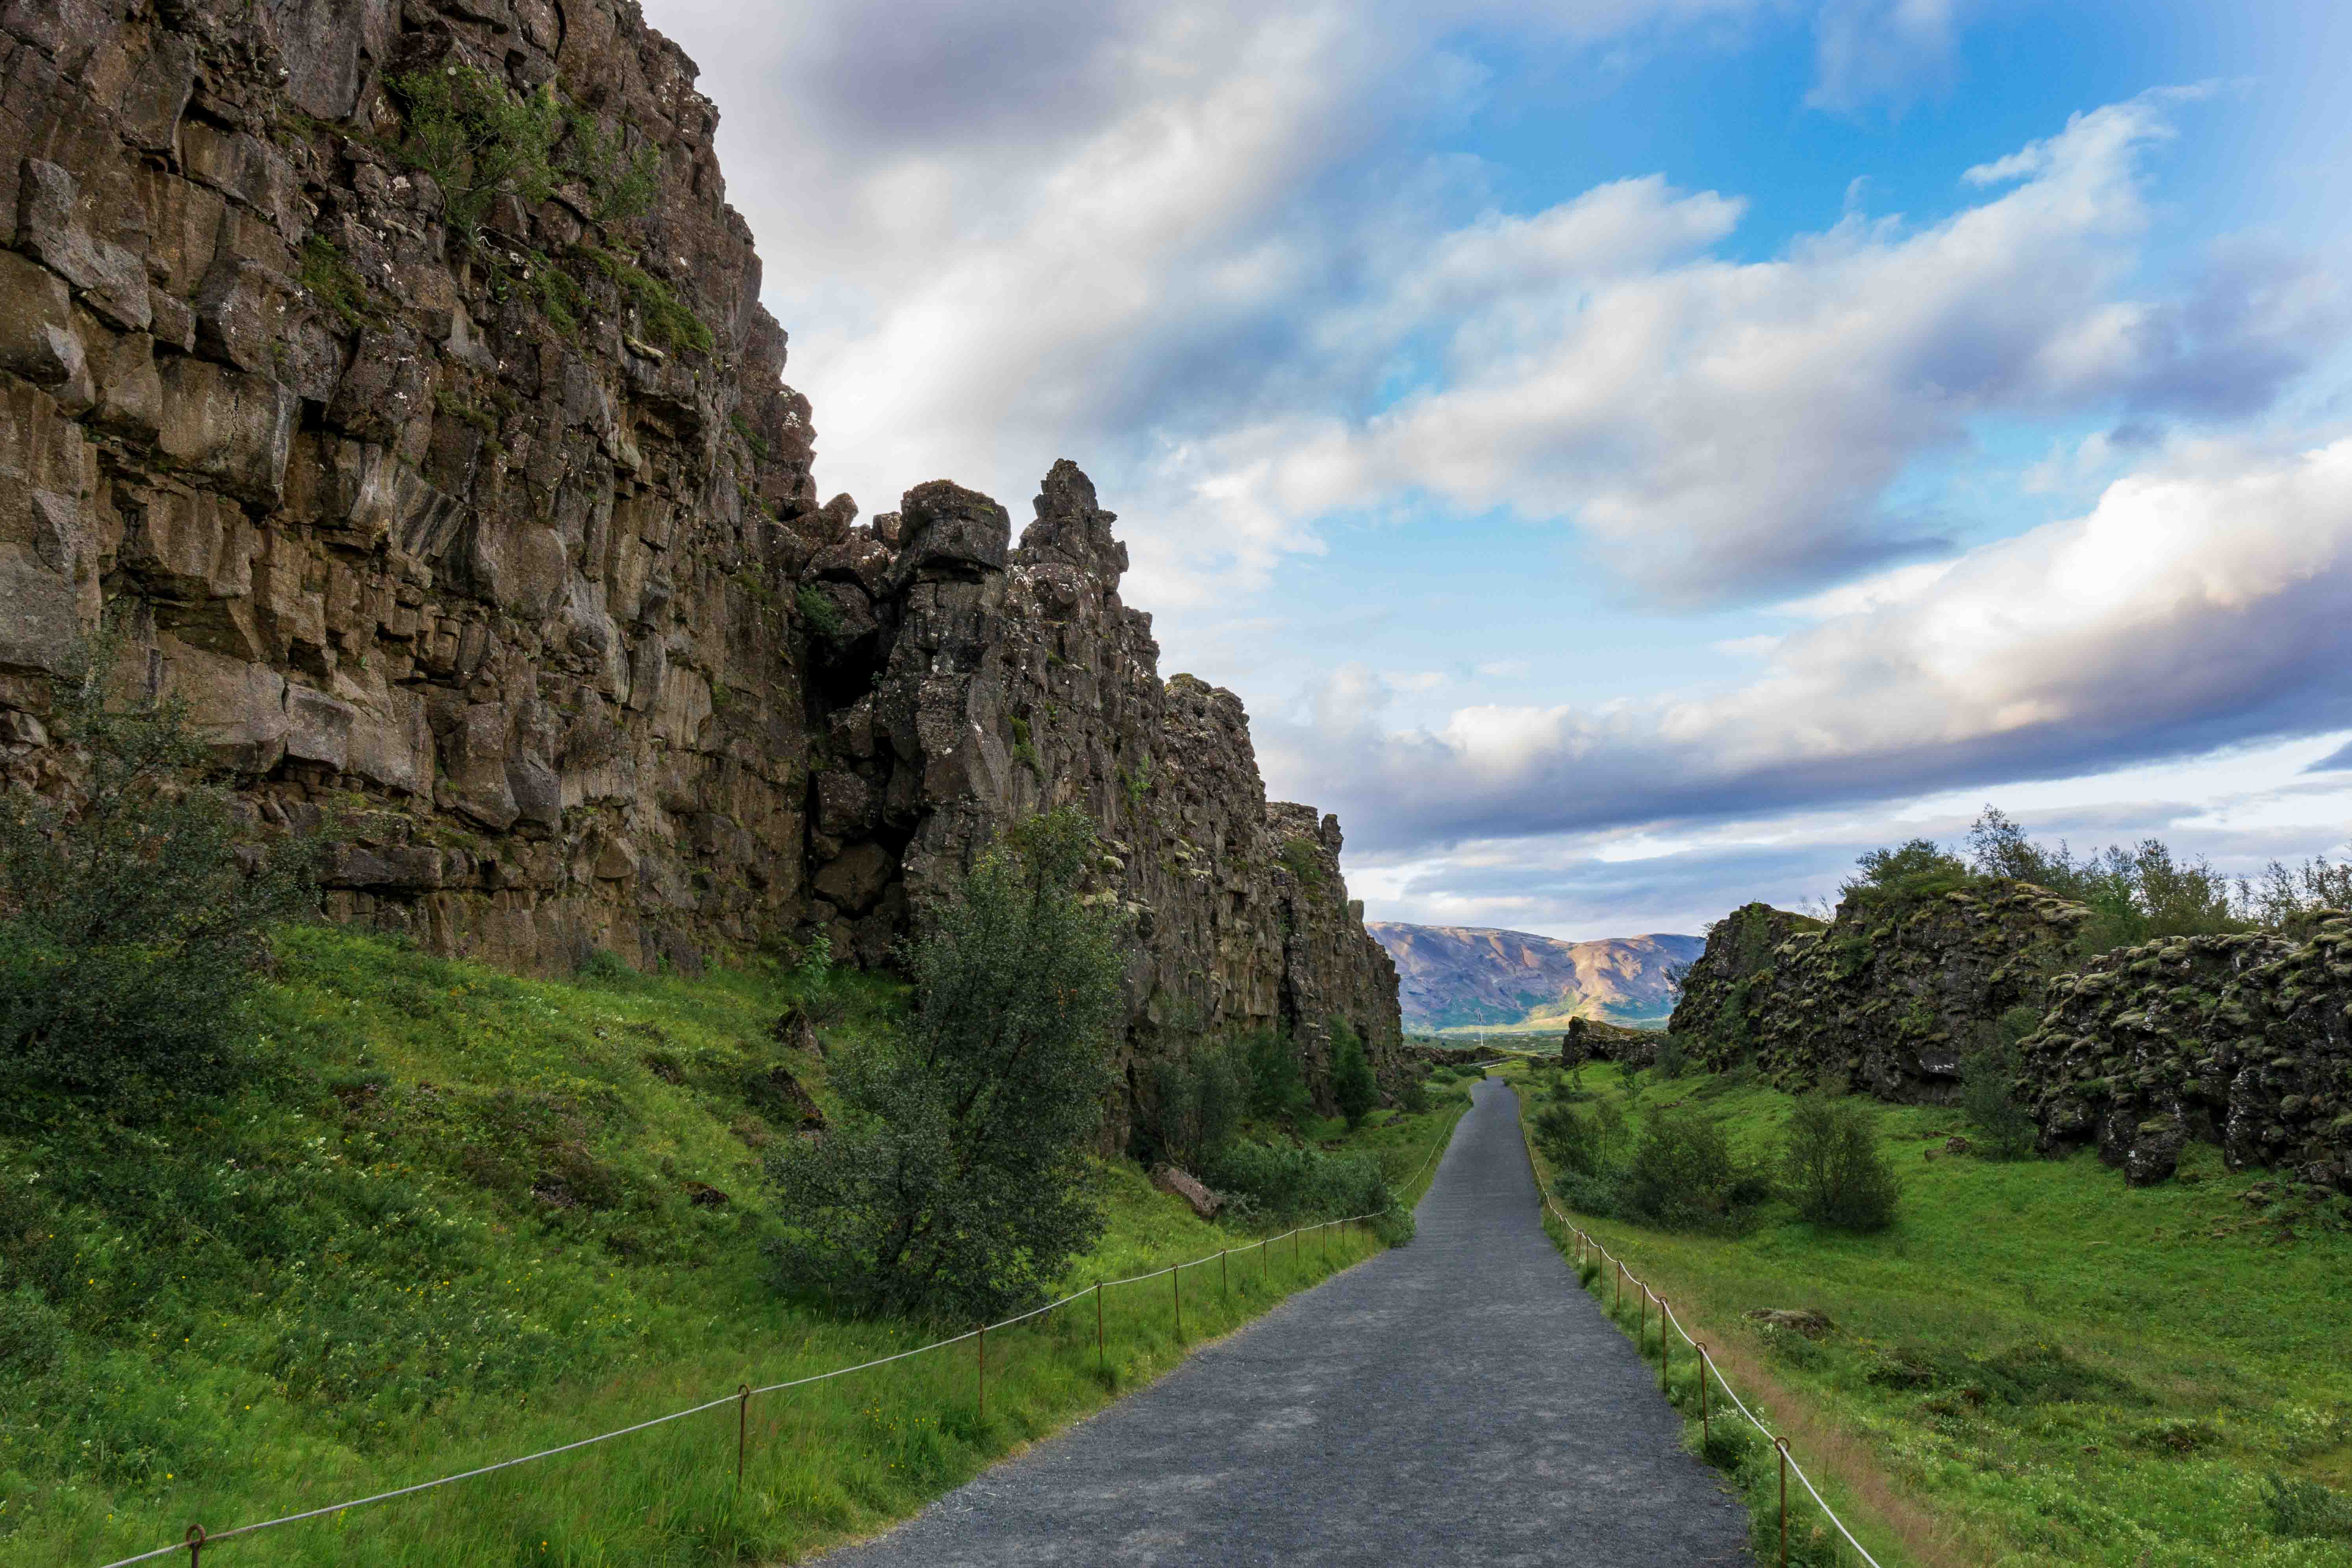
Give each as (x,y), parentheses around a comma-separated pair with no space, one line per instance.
(1198,1102)
(1352,1083)
(1684,1175)
(1835,1172)
(1989,1080)
(136,915)
(954,1180)
(1277,1083)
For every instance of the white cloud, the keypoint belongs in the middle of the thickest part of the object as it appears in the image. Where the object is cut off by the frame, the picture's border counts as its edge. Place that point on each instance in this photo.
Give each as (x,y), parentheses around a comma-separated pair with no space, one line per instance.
(2198,604)
(1866,51)
(1720,429)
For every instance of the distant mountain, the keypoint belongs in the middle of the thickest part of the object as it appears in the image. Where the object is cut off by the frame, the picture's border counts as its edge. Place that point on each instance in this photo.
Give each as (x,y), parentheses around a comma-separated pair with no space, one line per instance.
(1467,976)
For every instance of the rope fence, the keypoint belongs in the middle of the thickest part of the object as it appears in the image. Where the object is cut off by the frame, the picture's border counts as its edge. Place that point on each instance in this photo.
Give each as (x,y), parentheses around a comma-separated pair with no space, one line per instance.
(197,1538)
(1588,1246)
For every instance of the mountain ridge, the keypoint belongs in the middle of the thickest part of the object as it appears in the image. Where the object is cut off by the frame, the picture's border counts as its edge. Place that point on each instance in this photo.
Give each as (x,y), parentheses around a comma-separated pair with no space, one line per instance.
(1491,977)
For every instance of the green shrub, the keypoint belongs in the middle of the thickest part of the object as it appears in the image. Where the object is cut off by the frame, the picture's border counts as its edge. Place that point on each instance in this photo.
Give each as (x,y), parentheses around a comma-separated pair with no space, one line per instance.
(1672,1060)
(1413,1098)
(2303,1509)
(1278,1079)
(1352,1083)
(1288,1184)
(1683,1175)
(1989,1084)
(1197,1103)
(1836,1174)
(953,1182)
(479,140)
(139,915)
(1586,1142)
(820,613)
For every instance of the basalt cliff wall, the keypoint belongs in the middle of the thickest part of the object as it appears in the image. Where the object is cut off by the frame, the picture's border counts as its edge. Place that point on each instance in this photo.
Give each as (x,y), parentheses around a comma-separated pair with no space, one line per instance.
(483,536)
(2242,1040)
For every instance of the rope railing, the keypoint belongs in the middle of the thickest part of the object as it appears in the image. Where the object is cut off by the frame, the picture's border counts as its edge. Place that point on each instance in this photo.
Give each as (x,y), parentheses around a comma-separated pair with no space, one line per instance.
(197,1539)
(1590,1245)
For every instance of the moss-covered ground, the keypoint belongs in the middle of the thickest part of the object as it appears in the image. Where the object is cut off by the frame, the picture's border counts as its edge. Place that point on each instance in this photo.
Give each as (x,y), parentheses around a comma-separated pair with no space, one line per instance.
(2038,1364)
(458,1216)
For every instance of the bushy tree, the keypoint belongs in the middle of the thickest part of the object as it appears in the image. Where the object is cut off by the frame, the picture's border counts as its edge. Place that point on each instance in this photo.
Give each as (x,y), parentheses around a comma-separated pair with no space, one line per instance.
(953,1183)
(1198,1102)
(137,911)
(1917,869)
(1277,1081)
(1989,1080)
(1352,1083)
(1835,1172)
(1684,1176)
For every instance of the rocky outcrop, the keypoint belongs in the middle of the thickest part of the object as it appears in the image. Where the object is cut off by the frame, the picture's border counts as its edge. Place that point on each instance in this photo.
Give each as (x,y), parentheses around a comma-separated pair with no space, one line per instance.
(2244,1040)
(993,682)
(2240,1040)
(480,533)
(1887,998)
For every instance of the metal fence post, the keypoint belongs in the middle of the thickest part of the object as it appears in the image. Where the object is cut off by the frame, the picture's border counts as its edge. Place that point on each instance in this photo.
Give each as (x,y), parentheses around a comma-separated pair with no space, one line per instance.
(196,1539)
(1176,1289)
(1102,1346)
(1782,1445)
(1665,1345)
(742,1429)
(983,1371)
(1224,1275)
(1704,1435)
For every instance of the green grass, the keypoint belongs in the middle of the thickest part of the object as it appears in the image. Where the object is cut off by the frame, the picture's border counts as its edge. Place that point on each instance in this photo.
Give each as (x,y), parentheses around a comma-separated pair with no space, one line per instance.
(2199,1338)
(459,1217)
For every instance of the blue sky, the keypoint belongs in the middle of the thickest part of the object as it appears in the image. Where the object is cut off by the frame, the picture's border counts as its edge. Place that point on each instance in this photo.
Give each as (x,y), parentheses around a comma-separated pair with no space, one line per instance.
(1630,456)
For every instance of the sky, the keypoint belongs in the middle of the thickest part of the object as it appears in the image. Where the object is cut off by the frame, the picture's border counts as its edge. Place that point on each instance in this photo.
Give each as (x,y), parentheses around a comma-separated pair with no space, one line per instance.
(1631,457)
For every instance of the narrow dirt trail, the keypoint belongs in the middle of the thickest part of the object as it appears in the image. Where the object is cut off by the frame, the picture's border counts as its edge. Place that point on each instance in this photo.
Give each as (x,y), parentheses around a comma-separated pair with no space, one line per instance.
(1454,1400)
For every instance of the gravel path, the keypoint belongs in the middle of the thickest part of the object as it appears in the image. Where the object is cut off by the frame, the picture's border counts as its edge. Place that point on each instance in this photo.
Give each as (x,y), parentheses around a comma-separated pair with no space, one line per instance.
(1454,1400)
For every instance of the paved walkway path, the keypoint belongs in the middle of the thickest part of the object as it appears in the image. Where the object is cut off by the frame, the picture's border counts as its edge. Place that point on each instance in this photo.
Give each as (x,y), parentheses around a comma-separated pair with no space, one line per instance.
(1454,1400)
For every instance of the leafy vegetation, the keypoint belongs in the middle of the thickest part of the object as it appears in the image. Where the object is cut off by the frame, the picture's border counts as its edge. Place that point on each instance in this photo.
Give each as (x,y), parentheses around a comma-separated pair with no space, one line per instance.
(1836,1175)
(137,914)
(454,1216)
(2038,1365)
(821,615)
(952,1184)
(1352,1084)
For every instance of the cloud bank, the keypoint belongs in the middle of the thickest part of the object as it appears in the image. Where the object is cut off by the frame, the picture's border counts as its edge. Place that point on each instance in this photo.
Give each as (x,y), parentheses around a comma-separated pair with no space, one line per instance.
(2199,604)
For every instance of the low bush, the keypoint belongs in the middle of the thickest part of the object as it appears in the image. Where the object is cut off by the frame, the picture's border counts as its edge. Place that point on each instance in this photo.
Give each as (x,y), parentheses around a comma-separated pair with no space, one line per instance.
(1284,1185)
(2300,1509)
(1197,1104)
(138,913)
(1836,1174)
(1684,1176)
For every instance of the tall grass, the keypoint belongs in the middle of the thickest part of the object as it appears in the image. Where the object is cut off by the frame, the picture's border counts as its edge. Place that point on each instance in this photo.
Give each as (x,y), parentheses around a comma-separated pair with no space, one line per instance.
(2197,1336)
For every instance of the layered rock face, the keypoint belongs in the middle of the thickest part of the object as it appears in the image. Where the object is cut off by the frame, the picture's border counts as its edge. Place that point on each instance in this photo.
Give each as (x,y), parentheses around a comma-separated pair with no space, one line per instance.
(493,583)
(991,683)
(2243,1040)
(482,533)
(1884,1001)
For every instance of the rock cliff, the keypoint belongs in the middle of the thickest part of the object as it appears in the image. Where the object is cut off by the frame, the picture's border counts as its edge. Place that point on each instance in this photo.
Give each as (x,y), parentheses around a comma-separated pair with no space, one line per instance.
(2243,1040)
(474,520)
(1887,998)
(2240,1040)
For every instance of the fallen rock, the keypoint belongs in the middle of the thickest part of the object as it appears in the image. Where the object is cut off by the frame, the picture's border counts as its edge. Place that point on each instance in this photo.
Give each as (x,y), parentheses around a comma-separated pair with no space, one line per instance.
(1169,1179)
(1809,1321)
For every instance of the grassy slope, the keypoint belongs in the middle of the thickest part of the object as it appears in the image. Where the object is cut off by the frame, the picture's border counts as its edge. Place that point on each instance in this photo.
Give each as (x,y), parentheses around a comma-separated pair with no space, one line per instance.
(455,1222)
(2228,1334)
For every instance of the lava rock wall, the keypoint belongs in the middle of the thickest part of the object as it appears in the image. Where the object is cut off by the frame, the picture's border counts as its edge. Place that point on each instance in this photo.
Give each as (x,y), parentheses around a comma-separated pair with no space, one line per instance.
(489,546)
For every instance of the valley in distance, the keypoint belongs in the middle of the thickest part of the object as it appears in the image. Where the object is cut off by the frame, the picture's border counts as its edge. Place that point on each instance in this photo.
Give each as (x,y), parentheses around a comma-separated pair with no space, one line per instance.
(1470,979)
